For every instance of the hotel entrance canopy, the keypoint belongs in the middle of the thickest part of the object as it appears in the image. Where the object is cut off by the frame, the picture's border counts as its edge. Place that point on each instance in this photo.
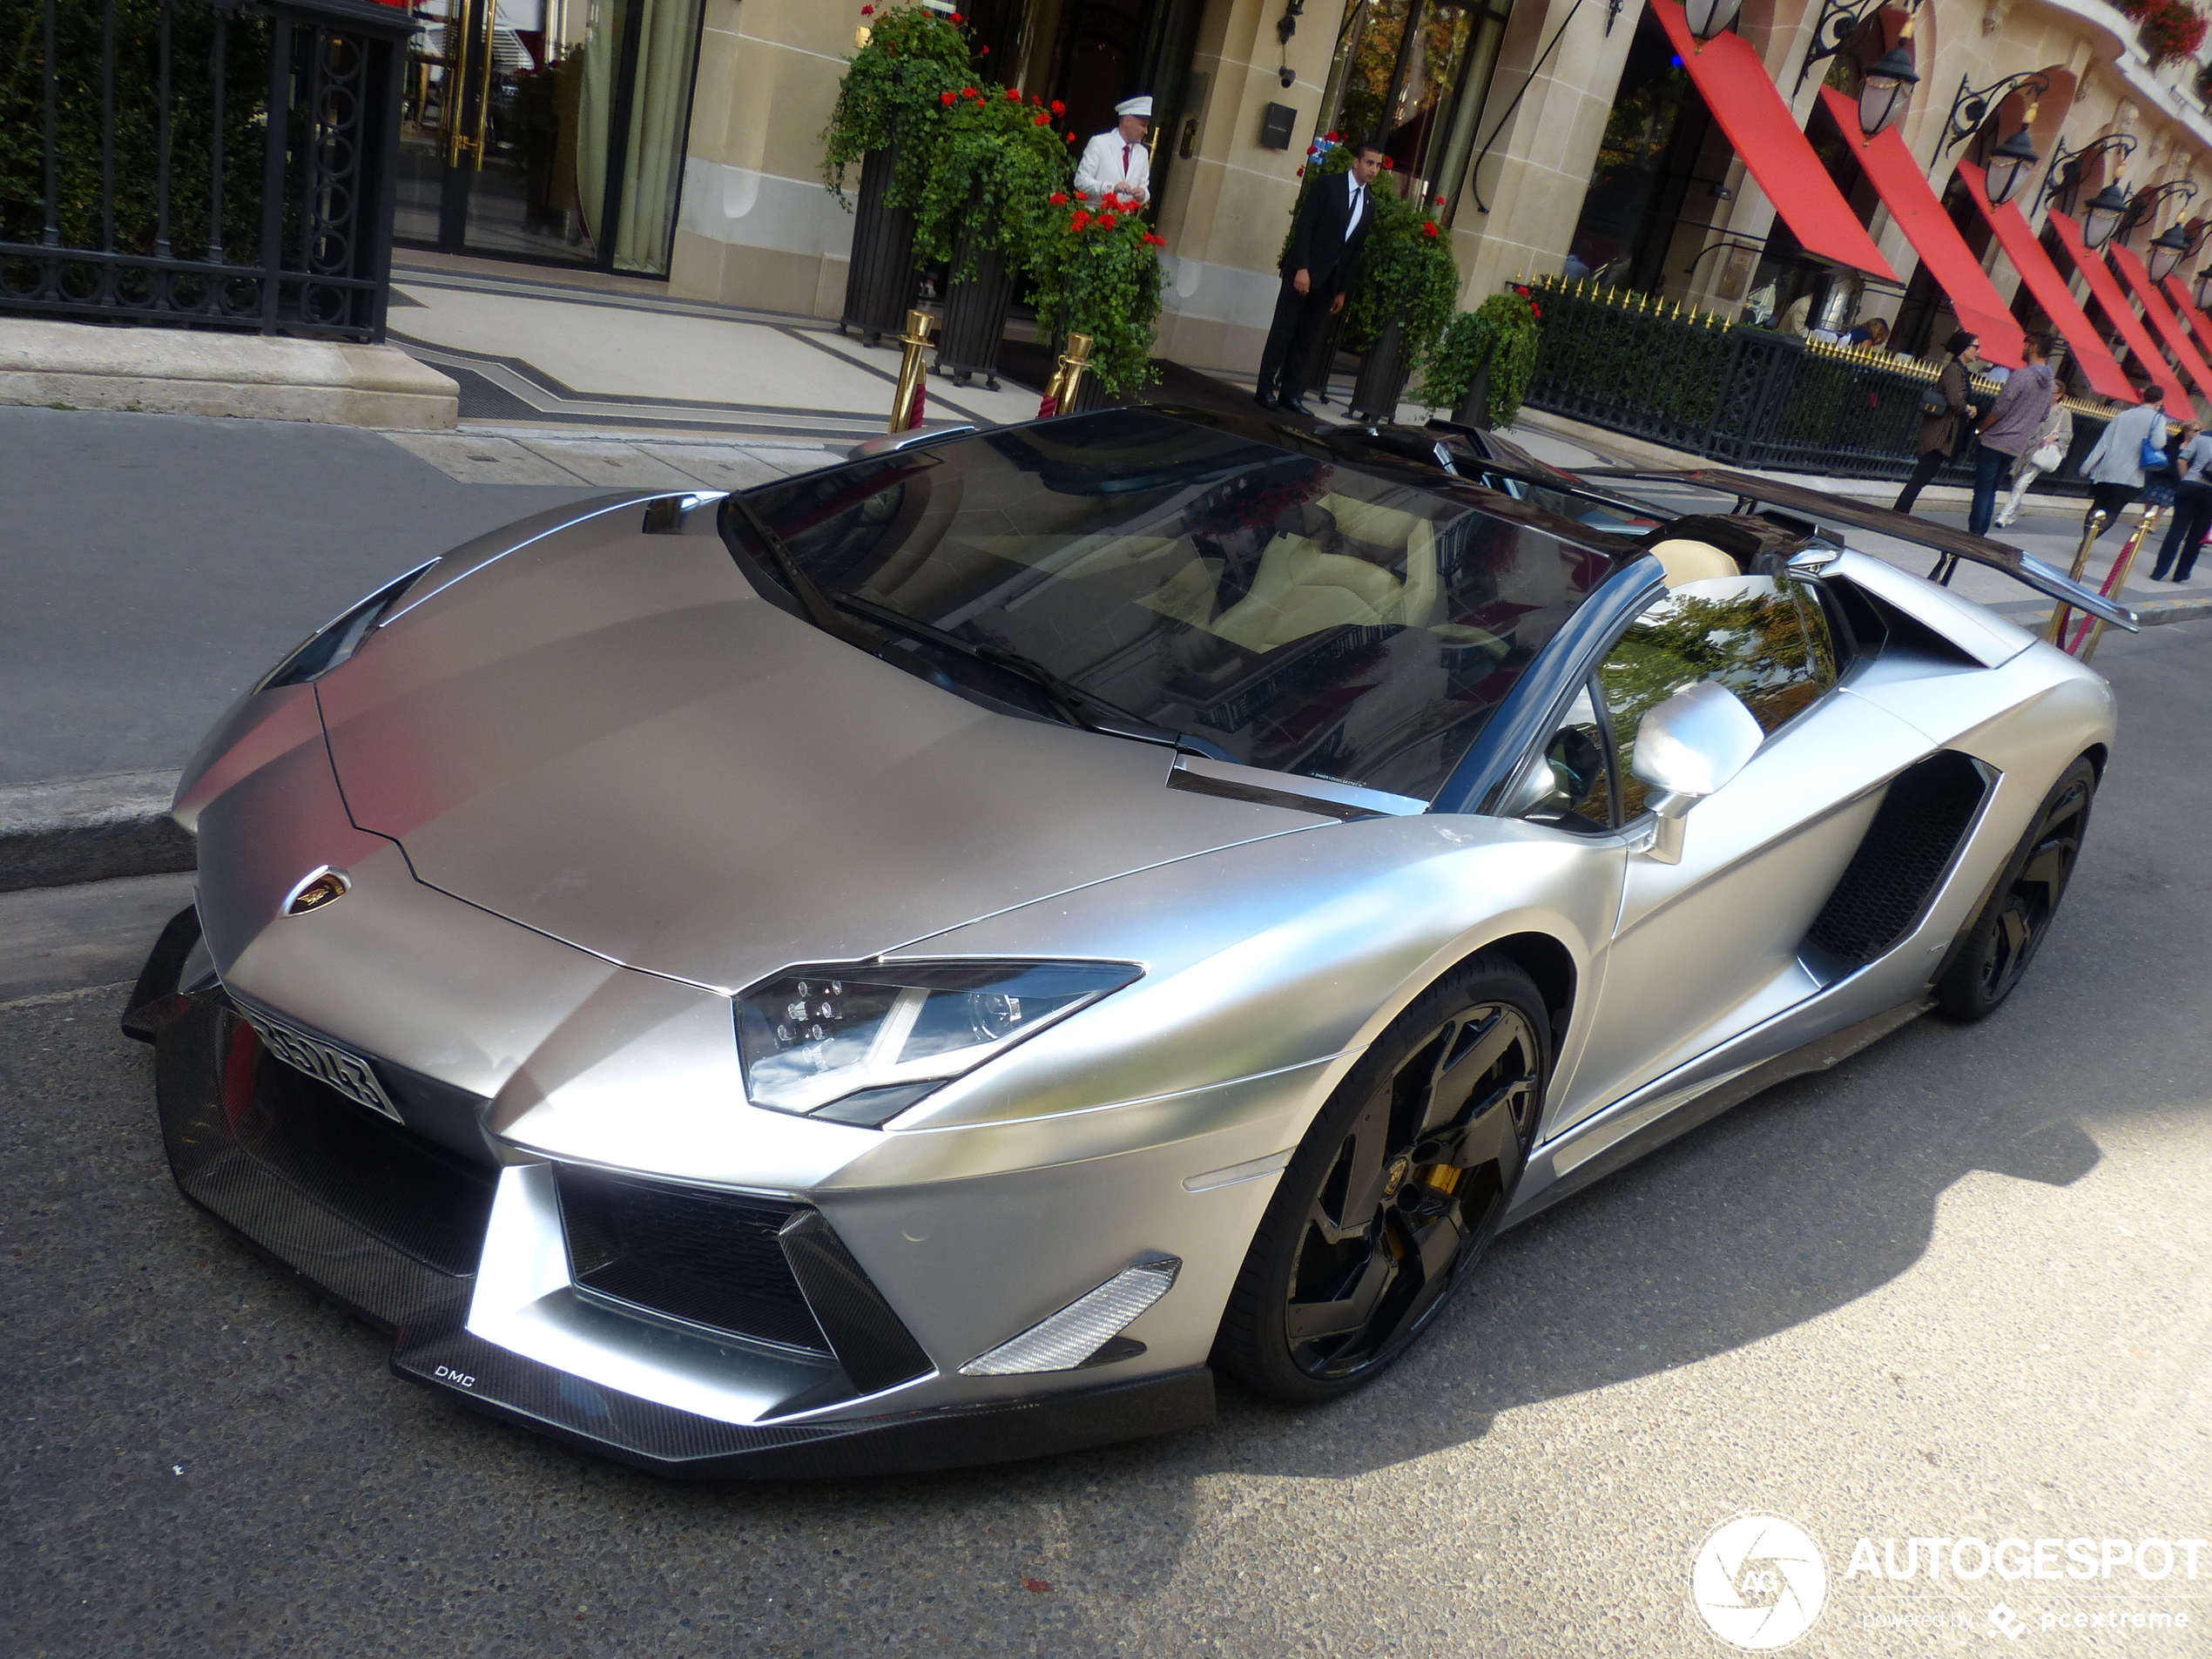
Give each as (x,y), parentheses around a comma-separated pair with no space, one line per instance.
(2020,245)
(2106,286)
(2162,318)
(1896,177)
(1751,112)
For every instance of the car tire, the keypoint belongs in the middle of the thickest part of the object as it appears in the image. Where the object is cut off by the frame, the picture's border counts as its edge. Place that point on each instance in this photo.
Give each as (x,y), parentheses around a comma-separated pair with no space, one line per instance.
(1996,950)
(1396,1190)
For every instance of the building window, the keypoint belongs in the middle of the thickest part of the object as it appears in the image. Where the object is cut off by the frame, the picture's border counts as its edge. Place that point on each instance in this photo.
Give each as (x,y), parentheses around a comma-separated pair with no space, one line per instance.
(1413,75)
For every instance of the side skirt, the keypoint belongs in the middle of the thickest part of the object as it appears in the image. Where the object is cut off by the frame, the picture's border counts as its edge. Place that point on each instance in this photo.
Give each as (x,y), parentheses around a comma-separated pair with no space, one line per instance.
(1721,1093)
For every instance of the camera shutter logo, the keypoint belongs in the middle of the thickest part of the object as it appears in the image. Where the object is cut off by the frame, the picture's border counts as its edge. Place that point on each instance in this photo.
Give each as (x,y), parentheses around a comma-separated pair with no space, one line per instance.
(1758,1582)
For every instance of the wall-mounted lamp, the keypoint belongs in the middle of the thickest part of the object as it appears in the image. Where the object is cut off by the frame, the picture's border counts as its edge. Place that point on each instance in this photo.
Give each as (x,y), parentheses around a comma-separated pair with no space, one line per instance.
(2102,216)
(1885,87)
(2011,163)
(1707,19)
(2167,251)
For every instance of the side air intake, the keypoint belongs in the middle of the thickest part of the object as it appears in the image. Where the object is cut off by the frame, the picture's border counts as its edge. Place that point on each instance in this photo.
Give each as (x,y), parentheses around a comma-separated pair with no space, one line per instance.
(1917,831)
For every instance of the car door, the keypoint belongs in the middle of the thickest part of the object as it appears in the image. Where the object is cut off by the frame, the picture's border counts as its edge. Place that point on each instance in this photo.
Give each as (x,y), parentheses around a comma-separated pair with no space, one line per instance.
(1706,949)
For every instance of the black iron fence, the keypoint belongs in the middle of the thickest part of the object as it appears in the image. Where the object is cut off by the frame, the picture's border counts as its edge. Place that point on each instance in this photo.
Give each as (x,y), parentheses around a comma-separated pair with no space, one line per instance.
(221,163)
(1745,395)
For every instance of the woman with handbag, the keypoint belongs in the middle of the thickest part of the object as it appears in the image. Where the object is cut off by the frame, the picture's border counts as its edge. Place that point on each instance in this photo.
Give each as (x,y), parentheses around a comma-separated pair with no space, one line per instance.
(2045,456)
(2192,506)
(1944,408)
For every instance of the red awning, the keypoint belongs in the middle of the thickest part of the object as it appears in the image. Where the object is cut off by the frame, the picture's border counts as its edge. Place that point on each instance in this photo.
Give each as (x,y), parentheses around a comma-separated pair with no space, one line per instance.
(1950,261)
(2106,286)
(1767,137)
(2184,307)
(2162,318)
(2049,289)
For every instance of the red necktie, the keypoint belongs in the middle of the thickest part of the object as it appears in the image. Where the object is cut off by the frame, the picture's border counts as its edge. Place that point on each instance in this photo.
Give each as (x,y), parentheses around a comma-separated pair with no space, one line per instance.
(1125,161)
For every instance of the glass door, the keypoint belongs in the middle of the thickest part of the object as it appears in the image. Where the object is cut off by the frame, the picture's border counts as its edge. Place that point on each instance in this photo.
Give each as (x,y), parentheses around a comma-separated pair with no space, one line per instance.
(547,129)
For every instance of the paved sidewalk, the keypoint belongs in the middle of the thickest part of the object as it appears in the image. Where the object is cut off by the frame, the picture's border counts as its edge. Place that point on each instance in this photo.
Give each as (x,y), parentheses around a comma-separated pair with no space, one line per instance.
(547,350)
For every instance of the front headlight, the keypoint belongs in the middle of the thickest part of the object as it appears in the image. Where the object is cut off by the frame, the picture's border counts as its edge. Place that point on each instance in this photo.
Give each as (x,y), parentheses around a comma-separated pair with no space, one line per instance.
(860,1044)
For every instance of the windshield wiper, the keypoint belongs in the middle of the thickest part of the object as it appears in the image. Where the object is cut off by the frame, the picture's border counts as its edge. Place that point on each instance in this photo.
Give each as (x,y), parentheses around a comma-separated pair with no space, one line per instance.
(819,608)
(1068,700)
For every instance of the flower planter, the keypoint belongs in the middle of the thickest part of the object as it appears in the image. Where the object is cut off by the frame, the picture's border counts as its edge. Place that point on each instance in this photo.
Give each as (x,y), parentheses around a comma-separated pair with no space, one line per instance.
(1474,408)
(880,282)
(975,316)
(1383,373)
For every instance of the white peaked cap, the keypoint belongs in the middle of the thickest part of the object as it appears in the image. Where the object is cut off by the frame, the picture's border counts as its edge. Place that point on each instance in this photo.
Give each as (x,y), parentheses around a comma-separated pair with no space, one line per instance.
(1136,106)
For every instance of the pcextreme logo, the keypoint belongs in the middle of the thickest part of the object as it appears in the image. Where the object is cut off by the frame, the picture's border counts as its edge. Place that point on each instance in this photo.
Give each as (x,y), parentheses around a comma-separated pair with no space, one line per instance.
(1758,1582)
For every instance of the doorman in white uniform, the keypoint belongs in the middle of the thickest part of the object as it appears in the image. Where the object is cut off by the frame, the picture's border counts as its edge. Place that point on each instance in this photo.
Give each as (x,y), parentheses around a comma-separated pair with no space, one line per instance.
(1118,160)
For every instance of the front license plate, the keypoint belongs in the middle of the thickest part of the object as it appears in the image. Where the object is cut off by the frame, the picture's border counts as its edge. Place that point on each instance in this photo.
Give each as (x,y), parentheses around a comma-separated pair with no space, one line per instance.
(348,1074)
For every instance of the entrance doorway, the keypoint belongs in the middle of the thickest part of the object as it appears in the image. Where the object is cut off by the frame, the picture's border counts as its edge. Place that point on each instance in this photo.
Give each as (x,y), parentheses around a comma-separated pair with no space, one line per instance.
(549,130)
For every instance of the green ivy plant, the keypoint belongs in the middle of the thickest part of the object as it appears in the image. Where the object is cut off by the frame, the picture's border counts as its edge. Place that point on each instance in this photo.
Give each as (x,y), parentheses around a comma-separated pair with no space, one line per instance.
(893,95)
(1506,331)
(1405,276)
(1100,274)
(994,166)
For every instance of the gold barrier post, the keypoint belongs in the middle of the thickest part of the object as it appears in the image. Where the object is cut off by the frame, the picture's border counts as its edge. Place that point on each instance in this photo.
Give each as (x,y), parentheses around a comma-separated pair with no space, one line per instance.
(907,402)
(2084,643)
(2092,527)
(1060,390)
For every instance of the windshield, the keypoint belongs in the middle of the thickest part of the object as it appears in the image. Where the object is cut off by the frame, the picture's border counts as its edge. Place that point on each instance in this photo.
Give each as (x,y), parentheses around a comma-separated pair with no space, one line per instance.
(1287,610)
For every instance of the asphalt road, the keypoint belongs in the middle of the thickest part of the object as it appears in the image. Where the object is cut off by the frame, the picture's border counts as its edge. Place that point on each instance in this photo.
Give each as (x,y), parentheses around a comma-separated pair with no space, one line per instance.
(1960,1286)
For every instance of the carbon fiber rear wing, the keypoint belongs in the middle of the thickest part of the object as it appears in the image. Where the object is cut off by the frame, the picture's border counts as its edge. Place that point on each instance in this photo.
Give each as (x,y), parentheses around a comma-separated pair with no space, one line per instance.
(1818,504)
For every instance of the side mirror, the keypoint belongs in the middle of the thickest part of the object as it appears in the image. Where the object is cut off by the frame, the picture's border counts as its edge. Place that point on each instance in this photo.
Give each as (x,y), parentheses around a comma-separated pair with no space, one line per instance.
(1687,748)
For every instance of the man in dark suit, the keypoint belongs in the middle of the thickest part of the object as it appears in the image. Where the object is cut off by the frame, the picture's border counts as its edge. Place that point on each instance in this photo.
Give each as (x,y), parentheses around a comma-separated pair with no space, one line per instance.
(1332,228)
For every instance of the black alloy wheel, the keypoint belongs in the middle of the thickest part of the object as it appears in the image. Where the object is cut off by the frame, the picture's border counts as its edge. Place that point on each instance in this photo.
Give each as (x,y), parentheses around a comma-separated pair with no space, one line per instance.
(1396,1190)
(1996,950)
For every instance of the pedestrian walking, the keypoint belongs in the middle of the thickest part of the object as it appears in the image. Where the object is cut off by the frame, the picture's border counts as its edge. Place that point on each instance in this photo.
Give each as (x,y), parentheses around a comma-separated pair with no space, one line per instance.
(2044,455)
(1118,160)
(2115,466)
(2192,506)
(2008,430)
(1325,239)
(1944,408)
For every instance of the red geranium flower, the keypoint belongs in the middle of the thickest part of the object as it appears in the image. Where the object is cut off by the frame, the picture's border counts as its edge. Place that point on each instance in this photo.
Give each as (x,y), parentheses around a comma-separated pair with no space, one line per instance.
(984,51)
(969,91)
(1038,102)
(958,19)
(868,11)
(945,98)
(1058,198)
(1388,164)
(1044,120)
(1107,221)
(1301,172)
(1439,201)
(1058,108)
(1013,95)
(1332,139)
(1428,227)
(1081,219)
(1071,137)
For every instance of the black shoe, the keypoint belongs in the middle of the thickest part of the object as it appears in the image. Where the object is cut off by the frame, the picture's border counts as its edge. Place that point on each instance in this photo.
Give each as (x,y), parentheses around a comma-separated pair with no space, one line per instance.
(1265,398)
(1295,404)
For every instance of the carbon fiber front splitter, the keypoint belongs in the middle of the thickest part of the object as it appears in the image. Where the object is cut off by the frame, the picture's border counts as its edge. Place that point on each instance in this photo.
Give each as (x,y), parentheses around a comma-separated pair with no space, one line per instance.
(286,1173)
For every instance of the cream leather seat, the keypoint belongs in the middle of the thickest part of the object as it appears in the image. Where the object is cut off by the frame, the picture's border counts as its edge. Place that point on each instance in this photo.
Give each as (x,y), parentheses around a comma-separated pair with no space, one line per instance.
(1299,589)
(1688,561)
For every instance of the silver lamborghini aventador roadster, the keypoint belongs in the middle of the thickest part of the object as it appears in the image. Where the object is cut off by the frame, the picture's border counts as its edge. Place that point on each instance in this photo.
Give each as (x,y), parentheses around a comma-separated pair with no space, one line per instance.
(928,960)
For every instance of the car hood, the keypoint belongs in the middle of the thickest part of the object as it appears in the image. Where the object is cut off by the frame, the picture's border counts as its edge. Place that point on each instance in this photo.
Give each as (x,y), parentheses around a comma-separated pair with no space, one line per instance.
(610,737)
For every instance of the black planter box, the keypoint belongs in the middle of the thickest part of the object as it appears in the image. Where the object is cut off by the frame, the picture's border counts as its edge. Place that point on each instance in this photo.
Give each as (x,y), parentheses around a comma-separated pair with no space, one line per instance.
(880,283)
